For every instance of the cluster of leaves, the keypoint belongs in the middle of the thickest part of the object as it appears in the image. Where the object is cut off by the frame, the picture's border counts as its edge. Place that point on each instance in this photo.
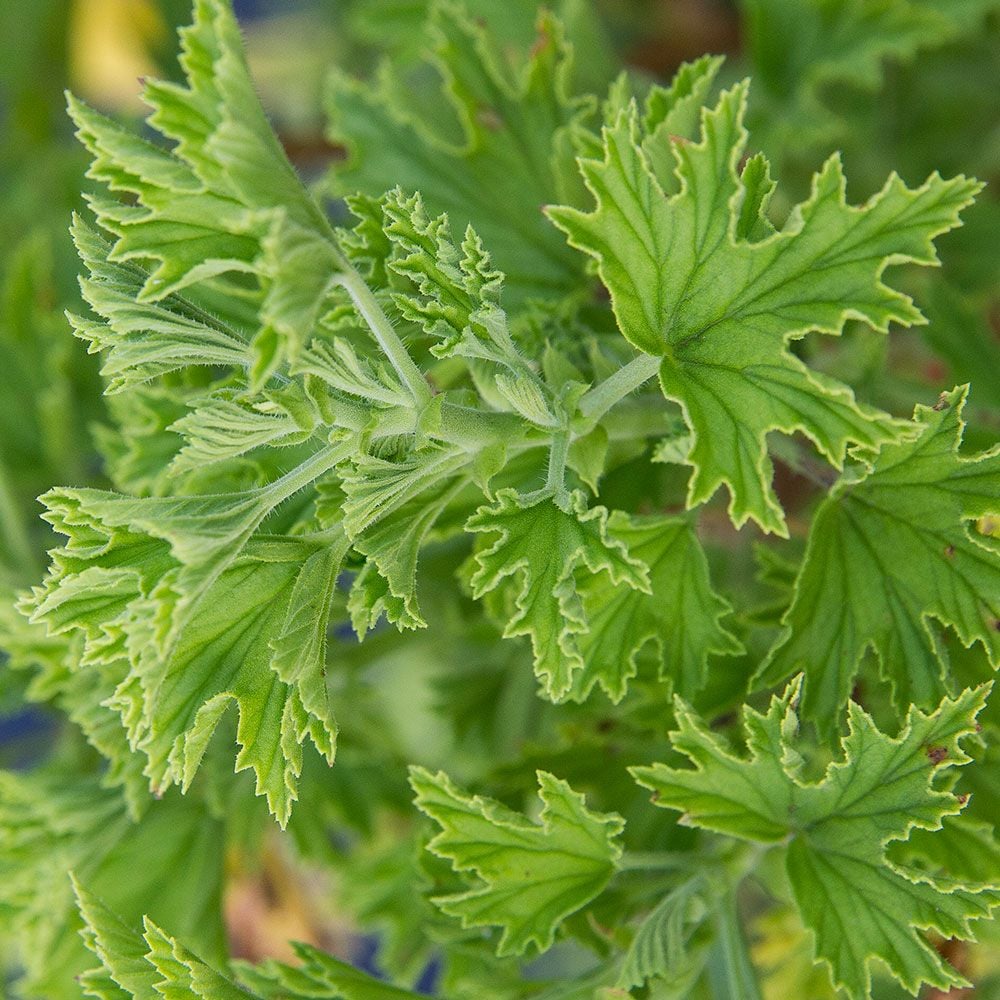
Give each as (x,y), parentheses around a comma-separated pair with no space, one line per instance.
(511,449)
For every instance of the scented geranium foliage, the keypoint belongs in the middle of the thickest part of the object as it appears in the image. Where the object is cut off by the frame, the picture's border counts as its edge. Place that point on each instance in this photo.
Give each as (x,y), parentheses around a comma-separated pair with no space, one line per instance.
(548,452)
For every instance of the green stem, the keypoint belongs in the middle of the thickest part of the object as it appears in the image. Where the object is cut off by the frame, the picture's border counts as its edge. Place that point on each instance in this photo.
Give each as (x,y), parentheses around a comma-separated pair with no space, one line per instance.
(471,428)
(393,348)
(555,481)
(638,861)
(309,471)
(595,403)
(356,416)
(730,971)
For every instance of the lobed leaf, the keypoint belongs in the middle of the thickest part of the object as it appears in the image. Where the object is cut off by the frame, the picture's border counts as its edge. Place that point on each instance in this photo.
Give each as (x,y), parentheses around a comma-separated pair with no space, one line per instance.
(532,875)
(835,832)
(891,550)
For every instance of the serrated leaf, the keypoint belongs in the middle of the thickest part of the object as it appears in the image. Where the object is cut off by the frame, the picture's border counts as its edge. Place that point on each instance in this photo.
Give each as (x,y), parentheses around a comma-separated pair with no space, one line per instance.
(147,966)
(223,201)
(144,340)
(680,614)
(532,876)
(688,286)
(455,294)
(835,832)
(389,510)
(221,427)
(300,647)
(168,862)
(184,667)
(543,547)
(224,655)
(205,532)
(891,551)
(671,943)
(320,975)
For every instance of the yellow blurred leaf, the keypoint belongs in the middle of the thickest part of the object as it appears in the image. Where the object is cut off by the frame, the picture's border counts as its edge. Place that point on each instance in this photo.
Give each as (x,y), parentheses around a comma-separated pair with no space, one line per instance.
(109,50)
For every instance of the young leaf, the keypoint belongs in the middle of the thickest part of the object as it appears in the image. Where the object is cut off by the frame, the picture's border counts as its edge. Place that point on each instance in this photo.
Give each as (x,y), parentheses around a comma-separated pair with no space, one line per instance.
(719,311)
(531,876)
(545,546)
(247,636)
(672,942)
(835,832)
(680,614)
(891,549)
(390,508)
(144,340)
(223,426)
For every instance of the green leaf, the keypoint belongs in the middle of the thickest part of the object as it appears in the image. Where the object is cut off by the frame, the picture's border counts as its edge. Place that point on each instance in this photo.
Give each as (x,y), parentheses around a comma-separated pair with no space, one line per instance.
(146,966)
(224,654)
(680,615)
(223,201)
(144,340)
(319,975)
(225,426)
(720,311)
(531,876)
(169,863)
(502,172)
(545,547)
(672,942)
(891,553)
(389,510)
(801,52)
(205,532)
(858,903)
(254,634)
(300,647)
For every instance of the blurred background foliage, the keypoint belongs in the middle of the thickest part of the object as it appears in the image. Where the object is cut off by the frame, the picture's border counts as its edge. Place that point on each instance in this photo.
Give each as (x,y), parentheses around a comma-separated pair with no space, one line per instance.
(910,85)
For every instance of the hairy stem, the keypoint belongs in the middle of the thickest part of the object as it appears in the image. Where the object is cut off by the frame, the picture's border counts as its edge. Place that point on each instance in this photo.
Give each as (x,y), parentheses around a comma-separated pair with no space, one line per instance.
(393,348)
(616,387)
(556,479)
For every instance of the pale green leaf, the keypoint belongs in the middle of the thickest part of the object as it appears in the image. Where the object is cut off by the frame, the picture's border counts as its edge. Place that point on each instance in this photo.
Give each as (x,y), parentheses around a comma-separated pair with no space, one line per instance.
(254,628)
(390,509)
(544,547)
(680,615)
(223,200)
(224,426)
(671,943)
(503,172)
(140,340)
(531,876)
(150,965)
